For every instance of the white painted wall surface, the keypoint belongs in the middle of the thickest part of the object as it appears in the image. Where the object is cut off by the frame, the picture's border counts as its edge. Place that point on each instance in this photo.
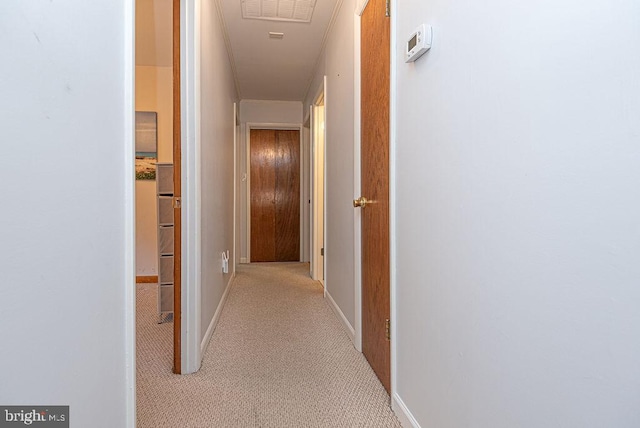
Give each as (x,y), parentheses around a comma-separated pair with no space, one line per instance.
(338,65)
(67,269)
(263,111)
(266,112)
(517,152)
(154,92)
(217,95)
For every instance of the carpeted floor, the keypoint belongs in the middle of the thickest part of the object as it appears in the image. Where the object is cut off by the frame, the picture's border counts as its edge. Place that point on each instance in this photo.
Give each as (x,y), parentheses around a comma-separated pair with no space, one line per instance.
(278,358)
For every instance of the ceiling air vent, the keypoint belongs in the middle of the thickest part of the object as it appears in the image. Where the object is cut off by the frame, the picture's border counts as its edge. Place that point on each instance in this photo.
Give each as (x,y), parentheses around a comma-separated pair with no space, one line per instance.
(278,10)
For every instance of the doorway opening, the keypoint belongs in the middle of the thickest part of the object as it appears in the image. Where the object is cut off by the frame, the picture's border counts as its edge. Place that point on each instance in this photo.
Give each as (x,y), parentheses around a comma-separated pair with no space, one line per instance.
(158,184)
(318,138)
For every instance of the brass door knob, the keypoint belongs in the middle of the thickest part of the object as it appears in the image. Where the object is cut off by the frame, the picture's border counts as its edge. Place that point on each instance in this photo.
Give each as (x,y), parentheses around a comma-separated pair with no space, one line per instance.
(361,202)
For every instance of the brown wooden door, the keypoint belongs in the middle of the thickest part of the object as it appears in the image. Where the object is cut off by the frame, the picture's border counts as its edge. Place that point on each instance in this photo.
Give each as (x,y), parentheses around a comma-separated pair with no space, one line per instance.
(177,223)
(275,195)
(375,71)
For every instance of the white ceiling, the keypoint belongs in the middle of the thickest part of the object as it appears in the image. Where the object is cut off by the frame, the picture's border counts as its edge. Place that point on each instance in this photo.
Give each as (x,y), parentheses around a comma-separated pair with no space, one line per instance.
(265,68)
(275,69)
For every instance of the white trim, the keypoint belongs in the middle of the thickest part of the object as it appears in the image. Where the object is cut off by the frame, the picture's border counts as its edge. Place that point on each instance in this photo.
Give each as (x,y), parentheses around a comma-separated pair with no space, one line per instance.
(247,193)
(357,214)
(348,328)
(360,5)
(306,194)
(191,180)
(129,214)
(264,125)
(311,203)
(402,412)
(392,196)
(301,189)
(243,260)
(216,316)
(324,184)
(235,187)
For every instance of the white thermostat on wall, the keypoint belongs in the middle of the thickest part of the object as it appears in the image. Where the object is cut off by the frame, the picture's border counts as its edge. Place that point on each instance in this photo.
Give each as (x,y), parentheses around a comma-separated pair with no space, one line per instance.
(418,43)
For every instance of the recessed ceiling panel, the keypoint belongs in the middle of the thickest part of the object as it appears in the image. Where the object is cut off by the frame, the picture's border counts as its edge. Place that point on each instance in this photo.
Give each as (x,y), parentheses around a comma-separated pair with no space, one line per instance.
(286,9)
(270,8)
(303,9)
(251,9)
(279,10)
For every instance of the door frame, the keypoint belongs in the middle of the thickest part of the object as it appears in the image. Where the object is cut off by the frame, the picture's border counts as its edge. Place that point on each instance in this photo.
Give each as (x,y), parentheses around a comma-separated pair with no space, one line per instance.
(129,266)
(396,402)
(277,126)
(191,216)
(320,99)
(306,186)
(236,183)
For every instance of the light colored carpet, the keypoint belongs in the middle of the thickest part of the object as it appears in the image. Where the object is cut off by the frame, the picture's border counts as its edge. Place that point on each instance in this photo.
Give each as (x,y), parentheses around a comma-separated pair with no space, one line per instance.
(278,358)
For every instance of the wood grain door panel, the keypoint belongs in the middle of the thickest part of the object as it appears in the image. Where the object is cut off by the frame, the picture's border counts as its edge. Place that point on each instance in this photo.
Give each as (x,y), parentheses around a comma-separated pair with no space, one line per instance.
(275,195)
(287,192)
(177,186)
(263,195)
(375,69)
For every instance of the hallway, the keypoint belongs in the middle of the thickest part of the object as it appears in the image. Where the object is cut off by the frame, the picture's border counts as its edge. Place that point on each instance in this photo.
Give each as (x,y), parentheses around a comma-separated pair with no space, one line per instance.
(278,358)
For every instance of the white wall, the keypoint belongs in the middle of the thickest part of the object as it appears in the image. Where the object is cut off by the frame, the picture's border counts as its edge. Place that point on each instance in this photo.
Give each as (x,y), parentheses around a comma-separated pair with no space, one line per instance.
(67,270)
(217,95)
(154,92)
(265,112)
(337,64)
(516,214)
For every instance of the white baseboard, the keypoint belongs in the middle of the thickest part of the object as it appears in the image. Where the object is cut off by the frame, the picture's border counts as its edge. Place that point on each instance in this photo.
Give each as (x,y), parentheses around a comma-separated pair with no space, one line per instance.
(244,260)
(336,309)
(402,413)
(216,317)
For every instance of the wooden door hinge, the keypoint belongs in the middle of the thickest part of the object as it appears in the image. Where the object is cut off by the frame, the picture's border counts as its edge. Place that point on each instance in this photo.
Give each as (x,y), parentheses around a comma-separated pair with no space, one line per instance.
(387,11)
(177,202)
(387,330)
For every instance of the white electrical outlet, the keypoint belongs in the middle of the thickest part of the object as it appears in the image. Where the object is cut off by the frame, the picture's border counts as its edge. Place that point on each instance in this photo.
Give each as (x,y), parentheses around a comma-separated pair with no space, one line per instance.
(225,261)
